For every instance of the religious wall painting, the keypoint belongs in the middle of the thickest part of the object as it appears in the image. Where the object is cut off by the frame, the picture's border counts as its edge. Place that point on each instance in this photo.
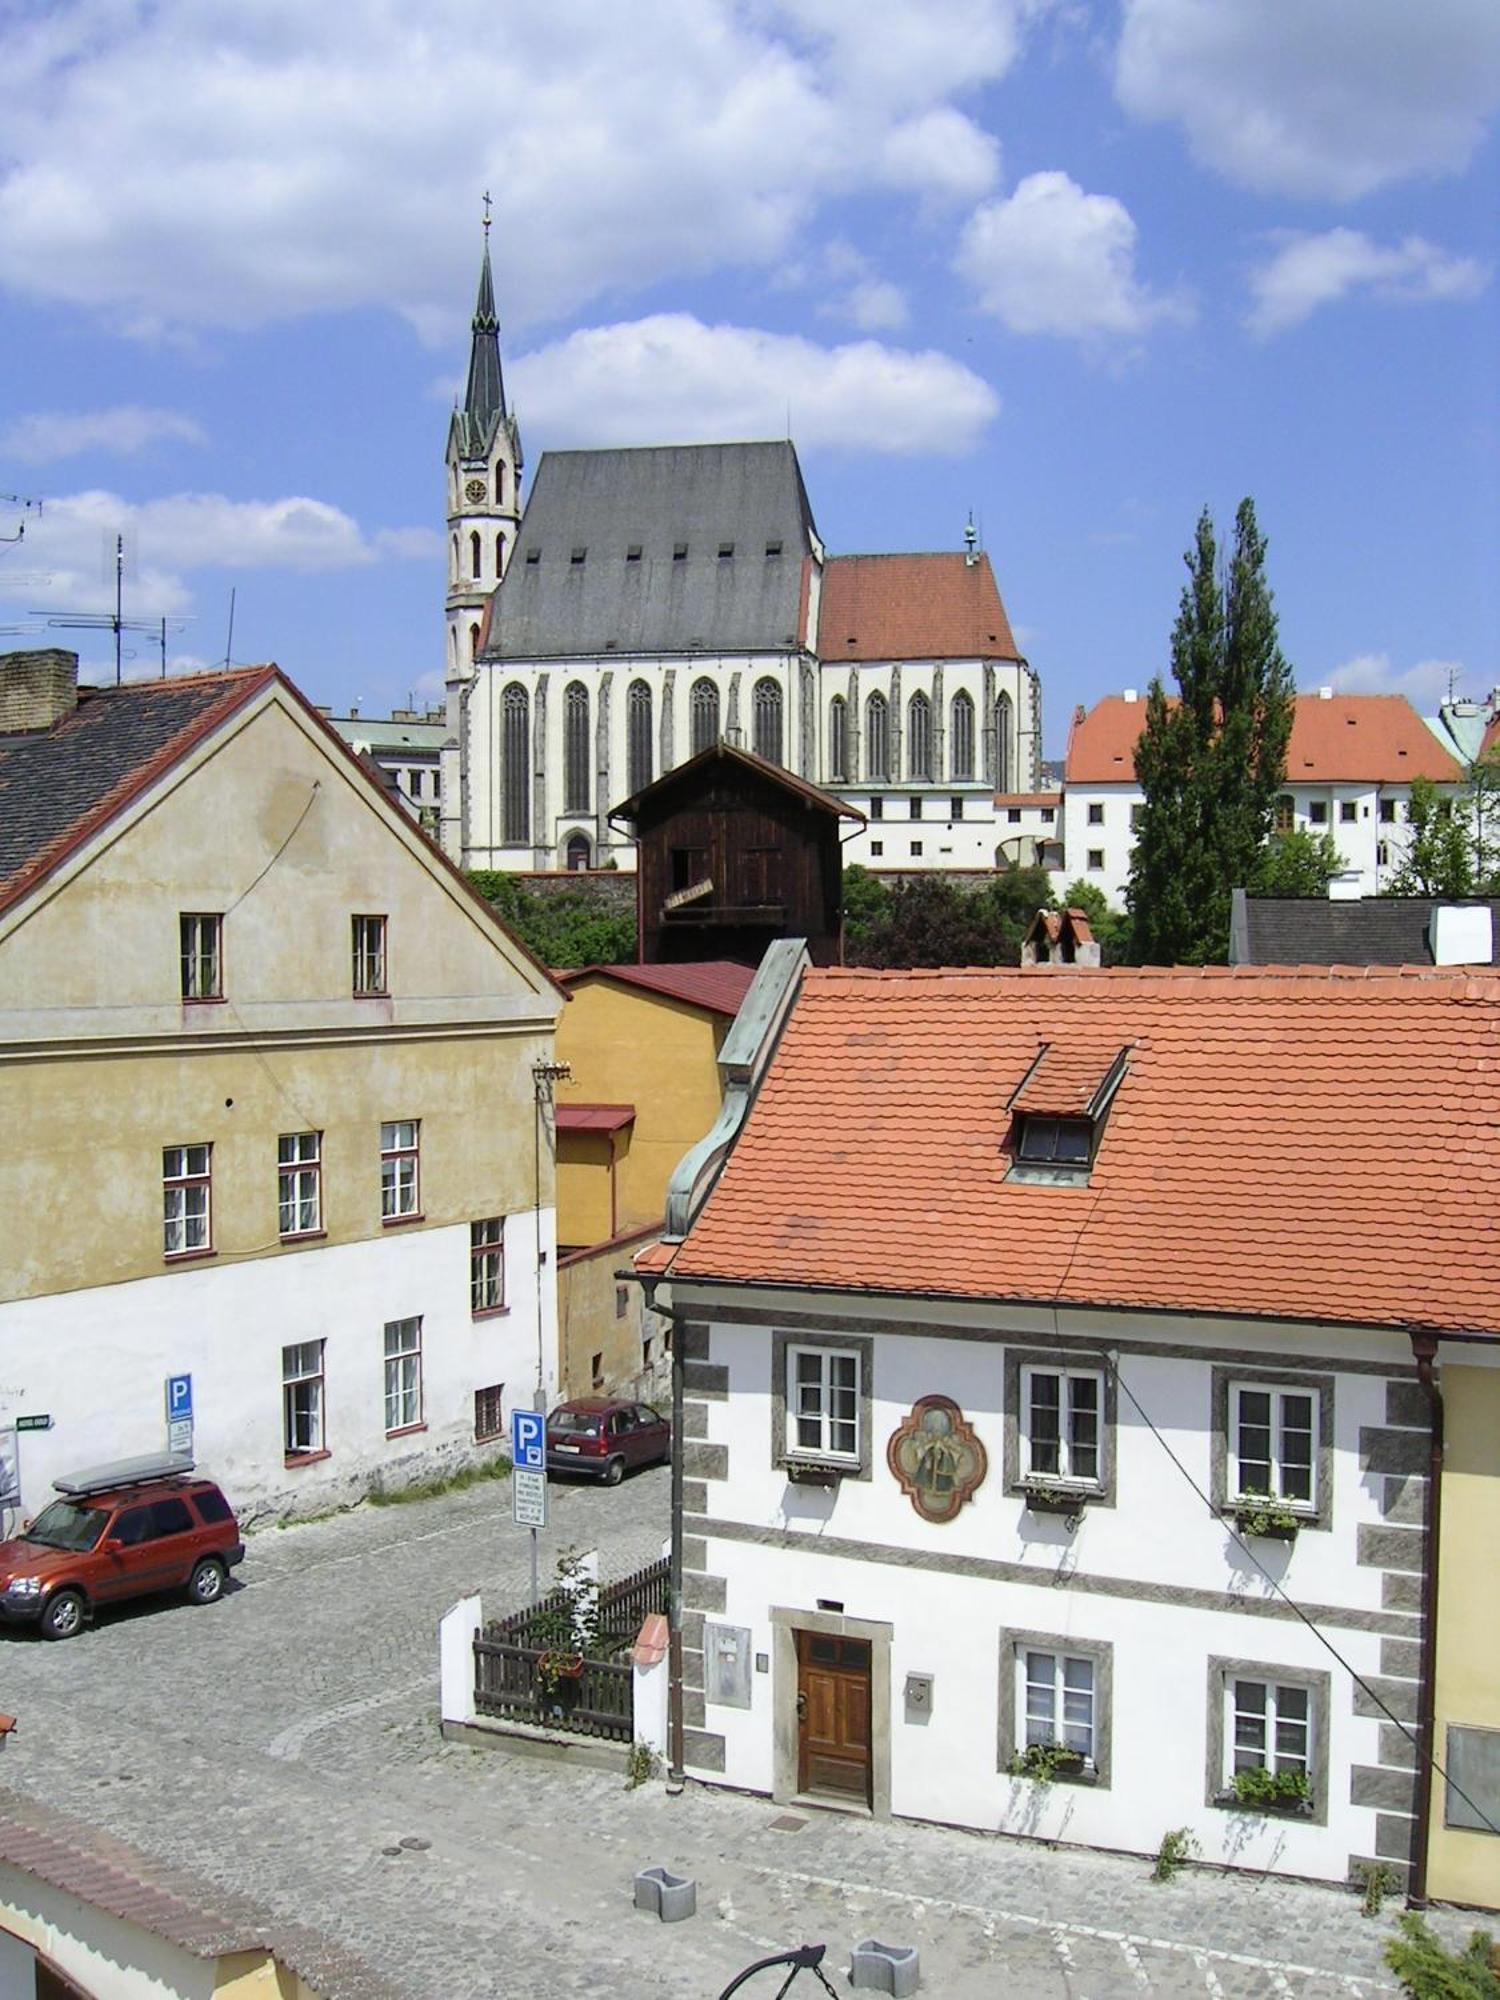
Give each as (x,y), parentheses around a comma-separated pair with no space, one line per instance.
(936,1458)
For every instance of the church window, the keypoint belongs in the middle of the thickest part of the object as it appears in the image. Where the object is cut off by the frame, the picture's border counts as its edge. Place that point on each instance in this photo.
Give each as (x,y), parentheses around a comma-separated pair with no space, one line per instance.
(768,721)
(638,731)
(838,739)
(515,743)
(704,705)
(877,737)
(499,556)
(1004,744)
(473,642)
(962,736)
(576,757)
(919,737)
(476,559)
(499,485)
(455,558)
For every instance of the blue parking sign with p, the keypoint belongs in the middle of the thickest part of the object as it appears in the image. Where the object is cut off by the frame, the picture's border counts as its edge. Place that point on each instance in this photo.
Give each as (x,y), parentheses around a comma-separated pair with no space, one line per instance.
(528,1440)
(179,1397)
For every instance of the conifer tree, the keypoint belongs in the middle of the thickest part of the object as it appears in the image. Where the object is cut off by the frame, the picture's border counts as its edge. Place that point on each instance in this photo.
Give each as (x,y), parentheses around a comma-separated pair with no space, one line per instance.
(1211,762)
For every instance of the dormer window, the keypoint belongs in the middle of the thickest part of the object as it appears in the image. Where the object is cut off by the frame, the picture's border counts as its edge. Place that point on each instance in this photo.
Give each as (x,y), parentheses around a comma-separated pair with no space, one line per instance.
(1058,1111)
(533,556)
(1055,1141)
(726,551)
(633,553)
(578,557)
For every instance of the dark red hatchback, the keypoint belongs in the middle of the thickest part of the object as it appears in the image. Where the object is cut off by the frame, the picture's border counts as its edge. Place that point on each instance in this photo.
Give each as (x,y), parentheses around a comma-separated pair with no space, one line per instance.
(604,1437)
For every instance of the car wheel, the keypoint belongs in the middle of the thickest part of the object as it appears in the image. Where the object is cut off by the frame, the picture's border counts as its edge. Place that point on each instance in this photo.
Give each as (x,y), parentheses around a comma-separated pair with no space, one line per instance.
(206,1584)
(614,1472)
(63,1616)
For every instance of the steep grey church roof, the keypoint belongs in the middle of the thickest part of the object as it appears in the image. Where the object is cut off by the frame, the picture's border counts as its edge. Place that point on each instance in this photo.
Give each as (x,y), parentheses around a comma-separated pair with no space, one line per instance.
(672,549)
(484,393)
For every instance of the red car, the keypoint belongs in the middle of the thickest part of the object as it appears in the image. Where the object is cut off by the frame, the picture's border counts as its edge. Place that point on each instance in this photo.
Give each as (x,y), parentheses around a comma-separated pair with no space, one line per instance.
(118,1531)
(604,1437)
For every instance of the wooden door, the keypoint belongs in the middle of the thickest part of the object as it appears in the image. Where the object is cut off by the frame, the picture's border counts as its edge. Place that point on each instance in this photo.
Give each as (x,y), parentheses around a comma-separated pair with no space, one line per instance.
(833,1715)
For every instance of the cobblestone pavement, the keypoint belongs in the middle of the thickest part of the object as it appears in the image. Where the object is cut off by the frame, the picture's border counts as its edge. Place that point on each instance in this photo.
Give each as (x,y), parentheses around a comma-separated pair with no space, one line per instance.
(285,1743)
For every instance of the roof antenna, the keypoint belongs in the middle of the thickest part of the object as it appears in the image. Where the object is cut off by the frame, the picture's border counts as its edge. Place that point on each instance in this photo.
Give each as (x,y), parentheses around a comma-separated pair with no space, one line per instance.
(971,537)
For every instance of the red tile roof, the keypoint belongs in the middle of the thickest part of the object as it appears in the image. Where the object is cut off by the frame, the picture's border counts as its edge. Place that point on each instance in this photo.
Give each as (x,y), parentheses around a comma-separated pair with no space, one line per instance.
(1028,798)
(1068,1075)
(719,984)
(594,1117)
(1321,1145)
(923,607)
(1348,739)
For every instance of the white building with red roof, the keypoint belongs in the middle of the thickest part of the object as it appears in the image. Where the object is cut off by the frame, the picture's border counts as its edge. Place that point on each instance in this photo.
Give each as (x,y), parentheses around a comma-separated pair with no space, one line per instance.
(1060,1354)
(1349,769)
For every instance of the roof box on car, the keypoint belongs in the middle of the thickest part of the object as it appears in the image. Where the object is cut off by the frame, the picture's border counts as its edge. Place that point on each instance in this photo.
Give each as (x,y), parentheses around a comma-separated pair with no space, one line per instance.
(125,1472)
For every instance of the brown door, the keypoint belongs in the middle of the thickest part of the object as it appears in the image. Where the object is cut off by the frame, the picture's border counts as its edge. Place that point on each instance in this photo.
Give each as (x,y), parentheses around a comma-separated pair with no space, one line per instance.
(833,1716)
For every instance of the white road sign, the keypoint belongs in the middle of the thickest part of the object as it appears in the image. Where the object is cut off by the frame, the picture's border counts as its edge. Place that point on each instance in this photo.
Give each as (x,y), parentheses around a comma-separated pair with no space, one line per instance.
(528,1498)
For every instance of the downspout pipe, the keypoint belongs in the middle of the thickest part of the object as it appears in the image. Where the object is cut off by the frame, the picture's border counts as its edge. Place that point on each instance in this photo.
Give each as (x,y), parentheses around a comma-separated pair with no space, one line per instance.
(675,1773)
(1424,1349)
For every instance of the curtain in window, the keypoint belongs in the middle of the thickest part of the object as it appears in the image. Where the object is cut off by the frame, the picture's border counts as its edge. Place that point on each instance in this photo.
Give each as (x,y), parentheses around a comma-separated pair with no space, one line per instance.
(704,706)
(877,737)
(515,758)
(961,737)
(768,721)
(838,739)
(638,728)
(576,748)
(919,737)
(1004,745)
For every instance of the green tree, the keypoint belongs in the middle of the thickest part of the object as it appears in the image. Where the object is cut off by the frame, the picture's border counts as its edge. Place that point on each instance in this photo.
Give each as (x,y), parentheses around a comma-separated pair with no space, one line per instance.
(932,919)
(1110,926)
(867,903)
(1296,863)
(1428,1972)
(1212,762)
(1439,858)
(564,929)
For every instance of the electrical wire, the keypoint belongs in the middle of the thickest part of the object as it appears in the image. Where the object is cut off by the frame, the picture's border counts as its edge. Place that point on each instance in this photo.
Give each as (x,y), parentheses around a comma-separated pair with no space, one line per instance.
(1323,1640)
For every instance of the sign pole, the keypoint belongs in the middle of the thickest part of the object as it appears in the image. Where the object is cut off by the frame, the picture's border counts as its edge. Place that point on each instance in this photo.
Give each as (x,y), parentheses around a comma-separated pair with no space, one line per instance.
(528,1481)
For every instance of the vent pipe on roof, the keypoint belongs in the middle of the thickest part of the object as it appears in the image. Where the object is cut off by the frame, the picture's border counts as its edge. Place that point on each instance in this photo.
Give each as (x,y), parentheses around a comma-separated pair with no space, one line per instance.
(1325,694)
(1132,694)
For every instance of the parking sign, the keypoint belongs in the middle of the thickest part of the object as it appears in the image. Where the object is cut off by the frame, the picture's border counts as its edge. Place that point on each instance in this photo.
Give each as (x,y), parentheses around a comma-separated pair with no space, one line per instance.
(528,1441)
(179,1398)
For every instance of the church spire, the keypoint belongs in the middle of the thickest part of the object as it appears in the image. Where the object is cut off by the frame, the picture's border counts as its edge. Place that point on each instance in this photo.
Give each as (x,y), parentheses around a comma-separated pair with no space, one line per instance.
(484,398)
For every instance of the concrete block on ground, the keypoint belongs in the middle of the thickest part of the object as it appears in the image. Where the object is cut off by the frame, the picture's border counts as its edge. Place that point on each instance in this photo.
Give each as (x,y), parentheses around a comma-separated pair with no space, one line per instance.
(662,1894)
(885,1968)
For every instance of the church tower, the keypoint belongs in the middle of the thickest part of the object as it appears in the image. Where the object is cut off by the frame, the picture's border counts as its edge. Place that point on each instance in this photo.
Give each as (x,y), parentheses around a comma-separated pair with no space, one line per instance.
(484,512)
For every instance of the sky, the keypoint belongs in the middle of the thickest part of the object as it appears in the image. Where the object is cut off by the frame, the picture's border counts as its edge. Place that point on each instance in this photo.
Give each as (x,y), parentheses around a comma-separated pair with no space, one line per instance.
(1081,267)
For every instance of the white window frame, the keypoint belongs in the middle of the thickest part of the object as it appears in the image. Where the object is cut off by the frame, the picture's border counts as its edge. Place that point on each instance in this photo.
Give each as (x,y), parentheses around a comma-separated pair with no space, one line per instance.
(299,1184)
(371,974)
(1307,1504)
(200,937)
(302,1369)
(487,1266)
(832,1362)
(400,1169)
(1271,1756)
(402,1353)
(1061,1731)
(187,1200)
(1067,1446)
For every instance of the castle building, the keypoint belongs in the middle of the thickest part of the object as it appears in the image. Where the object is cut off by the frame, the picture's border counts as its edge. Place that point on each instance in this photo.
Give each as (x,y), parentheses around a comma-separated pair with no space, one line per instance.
(651,602)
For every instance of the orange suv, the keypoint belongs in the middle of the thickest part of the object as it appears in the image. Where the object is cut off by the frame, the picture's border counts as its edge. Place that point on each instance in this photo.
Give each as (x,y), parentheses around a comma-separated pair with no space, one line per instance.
(118,1531)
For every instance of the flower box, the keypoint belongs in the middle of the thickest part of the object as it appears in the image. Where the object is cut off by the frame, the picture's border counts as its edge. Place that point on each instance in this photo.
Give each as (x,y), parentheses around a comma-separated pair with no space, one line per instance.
(1265,1808)
(1058,1499)
(816,1471)
(1265,1527)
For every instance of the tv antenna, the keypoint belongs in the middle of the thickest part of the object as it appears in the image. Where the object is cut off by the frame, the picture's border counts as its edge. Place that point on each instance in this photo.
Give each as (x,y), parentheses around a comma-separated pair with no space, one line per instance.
(27,506)
(115,621)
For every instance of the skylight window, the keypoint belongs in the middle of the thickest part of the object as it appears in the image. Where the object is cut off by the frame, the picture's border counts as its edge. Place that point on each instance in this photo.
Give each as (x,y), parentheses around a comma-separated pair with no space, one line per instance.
(726,551)
(533,556)
(633,553)
(679,552)
(578,558)
(1062,1142)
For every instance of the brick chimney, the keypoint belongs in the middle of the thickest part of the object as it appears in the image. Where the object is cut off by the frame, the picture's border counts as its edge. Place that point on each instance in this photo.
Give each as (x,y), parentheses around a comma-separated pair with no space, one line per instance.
(37,689)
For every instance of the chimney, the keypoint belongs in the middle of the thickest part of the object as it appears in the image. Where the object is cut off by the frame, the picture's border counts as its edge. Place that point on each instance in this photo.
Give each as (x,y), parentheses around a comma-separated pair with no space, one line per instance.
(37,689)
(1325,694)
(1132,694)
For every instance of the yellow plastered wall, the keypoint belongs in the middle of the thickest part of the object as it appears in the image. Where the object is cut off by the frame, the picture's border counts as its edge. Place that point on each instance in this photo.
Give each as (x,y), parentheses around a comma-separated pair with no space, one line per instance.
(626,1046)
(256,1975)
(589,1320)
(1464,1865)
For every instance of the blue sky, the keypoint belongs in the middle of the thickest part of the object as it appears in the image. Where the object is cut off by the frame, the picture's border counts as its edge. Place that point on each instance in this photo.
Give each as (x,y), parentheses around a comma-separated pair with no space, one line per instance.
(1082,268)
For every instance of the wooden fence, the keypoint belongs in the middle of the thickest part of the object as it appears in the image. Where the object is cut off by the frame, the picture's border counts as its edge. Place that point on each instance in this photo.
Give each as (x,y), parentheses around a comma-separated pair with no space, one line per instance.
(600,1700)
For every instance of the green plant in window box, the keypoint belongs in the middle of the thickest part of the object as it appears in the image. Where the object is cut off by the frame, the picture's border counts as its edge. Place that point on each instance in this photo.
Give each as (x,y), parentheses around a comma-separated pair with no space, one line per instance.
(1262,1515)
(1042,1762)
(1047,1497)
(1272,1791)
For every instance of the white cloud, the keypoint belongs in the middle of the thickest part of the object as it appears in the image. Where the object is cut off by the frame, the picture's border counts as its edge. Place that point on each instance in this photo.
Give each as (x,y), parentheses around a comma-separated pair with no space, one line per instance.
(191,163)
(1311,271)
(1317,98)
(45,436)
(1424,684)
(671,379)
(1051,259)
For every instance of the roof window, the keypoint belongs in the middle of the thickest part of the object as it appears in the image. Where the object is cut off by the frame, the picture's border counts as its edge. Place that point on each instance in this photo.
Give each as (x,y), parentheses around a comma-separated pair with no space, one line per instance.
(533,556)
(773,550)
(1055,1141)
(726,551)
(1058,1111)
(633,553)
(578,558)
(679,551)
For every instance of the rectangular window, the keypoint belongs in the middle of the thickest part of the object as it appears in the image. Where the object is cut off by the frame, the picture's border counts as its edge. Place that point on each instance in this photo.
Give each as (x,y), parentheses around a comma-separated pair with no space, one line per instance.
(302,1398)
(1013,815)
(955,808)
(1096,815)
(914,808)
(400,1177)
(403,1374)
(822,1403)
(1063,1142)
(916,850)
(1382,854)
(1286,813)
(1061,1414)
(1317,812)
(201,940)
(877,808)
(369,956)
(1387,812)
(1137,818)
(1055,1698)
(299,1183)
(187,1220)
(877,848)
(487,1266)
(1096,857)
(489,1413)
(1269,1728)
(633,553)
(1049,814)
(1348,812)
(1273,1439)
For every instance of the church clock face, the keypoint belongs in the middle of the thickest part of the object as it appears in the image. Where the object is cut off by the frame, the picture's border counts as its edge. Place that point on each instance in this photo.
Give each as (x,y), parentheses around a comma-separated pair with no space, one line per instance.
(475,490)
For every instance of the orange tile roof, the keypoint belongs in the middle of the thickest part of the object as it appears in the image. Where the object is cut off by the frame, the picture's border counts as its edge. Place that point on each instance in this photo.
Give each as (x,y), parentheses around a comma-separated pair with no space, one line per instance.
(717,984)
(1028,798)
(1067,1075)
(921,607)
(1305,1144)
(1348,739)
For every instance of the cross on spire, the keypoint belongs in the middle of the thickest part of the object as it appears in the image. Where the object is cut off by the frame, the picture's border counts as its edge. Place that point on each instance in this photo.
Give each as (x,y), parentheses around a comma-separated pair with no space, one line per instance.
(486,215)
